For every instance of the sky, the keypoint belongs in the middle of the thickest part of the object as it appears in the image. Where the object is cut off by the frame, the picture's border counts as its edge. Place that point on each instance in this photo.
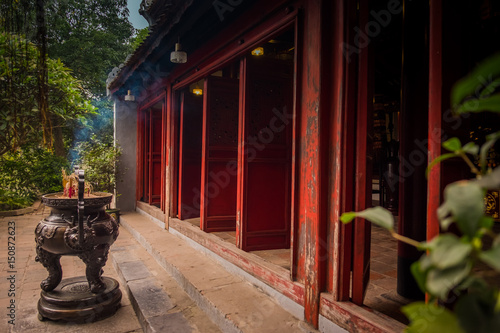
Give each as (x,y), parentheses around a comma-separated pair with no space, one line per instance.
(135,18)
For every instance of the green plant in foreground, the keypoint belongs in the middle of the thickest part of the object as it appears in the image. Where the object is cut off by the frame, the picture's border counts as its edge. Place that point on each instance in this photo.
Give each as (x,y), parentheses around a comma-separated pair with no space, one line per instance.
(447,270)
(450,269)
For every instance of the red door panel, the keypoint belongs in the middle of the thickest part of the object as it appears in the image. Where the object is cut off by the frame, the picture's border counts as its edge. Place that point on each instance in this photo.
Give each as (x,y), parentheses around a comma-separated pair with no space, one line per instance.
(151,155)
(155,155)
(265,189)
(219,154)
(190,155)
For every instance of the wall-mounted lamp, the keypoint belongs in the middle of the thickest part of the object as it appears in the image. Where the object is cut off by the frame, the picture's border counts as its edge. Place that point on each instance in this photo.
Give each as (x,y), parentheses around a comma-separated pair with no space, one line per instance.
(198,91)
(178,56)
(129,97)
(258,51)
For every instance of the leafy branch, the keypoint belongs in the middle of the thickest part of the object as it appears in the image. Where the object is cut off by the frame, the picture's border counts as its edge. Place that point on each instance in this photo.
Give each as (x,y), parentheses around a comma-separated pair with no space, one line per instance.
(449,271)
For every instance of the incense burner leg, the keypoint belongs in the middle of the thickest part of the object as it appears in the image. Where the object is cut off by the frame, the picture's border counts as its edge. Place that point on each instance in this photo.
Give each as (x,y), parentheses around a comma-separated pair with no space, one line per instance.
(51,262)
(95,260)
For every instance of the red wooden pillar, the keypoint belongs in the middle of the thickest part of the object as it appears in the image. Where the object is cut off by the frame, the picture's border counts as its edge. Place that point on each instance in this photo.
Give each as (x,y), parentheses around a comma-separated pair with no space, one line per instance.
(435,106)
(310,212)
(168,161)
(163,153)
(139,155)
(338,274)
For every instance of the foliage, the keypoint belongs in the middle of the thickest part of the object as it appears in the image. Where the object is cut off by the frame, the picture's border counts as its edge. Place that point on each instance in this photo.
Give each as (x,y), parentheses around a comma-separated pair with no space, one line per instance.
(139,37)
(479,90)
(91,37)
(26,174)
(19,115)
(448,272)
(99,160)
(10,201)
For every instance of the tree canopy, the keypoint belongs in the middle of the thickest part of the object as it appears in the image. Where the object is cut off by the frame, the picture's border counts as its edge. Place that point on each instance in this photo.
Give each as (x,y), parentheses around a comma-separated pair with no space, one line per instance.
(91,37)
(55,56)
(20,117)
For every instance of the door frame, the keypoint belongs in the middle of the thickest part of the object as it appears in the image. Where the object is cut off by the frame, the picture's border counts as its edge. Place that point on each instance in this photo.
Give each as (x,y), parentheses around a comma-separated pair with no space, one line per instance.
(141,161)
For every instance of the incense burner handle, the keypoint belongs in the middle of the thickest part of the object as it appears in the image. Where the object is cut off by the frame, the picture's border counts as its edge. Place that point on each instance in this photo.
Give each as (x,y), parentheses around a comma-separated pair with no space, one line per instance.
(81,206)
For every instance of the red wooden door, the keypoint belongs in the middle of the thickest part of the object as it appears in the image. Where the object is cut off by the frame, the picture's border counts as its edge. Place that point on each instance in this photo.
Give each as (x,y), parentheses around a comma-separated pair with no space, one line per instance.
(155,156)
(152,140)
(265,156)
(219,154)
(146,148)
(191,120)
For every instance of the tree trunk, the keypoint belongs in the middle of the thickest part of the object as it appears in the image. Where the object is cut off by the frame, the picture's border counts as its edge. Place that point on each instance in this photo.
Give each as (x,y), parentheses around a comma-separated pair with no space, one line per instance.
(57,135)
(43,98)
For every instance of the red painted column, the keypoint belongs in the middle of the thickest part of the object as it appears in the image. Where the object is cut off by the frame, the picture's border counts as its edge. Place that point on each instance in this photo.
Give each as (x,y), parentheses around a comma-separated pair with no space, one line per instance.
(168,154)
(435,106)
(310,212)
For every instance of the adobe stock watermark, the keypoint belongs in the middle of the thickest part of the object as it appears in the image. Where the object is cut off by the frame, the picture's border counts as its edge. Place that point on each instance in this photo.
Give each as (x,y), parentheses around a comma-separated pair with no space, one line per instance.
(223,6)
(363,36)
(253,144)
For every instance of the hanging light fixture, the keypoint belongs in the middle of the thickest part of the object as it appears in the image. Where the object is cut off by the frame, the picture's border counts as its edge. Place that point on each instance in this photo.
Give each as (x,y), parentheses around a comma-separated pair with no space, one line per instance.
(258,51)
(129,97)
(197,89)
(178,56)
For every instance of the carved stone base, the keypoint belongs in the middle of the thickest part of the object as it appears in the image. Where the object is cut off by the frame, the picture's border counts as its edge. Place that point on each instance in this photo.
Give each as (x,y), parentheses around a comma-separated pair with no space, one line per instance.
(72,301)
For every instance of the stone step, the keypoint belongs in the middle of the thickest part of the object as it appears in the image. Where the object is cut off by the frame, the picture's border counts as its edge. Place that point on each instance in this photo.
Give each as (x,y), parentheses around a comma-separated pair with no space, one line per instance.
(230,301)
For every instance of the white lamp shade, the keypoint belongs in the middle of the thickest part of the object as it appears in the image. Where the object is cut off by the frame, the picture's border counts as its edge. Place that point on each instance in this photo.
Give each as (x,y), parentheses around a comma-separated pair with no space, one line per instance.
(178,56)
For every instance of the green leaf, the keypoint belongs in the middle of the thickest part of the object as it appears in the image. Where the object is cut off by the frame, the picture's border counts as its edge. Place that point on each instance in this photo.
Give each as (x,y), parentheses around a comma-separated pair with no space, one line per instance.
(443,211)
(490,141)
(438,160)
(486,222)
(491,103)
(419,271)
(429,318)
(447,250)
(465,200)
(445,223)
(491,181)
(471,148)
(441,281)
(496,241)
(492,257)
(376,215)
(347,217)
(490,88)
(489,68)
(452,144)
(476,312)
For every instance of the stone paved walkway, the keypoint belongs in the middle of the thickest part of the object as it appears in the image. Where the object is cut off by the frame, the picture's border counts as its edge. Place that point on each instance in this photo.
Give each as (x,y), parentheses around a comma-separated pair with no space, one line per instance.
(25,288)
(178,289)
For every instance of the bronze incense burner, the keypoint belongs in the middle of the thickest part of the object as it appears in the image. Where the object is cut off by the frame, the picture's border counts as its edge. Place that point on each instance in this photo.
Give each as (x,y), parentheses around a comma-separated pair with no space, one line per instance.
(79,227)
